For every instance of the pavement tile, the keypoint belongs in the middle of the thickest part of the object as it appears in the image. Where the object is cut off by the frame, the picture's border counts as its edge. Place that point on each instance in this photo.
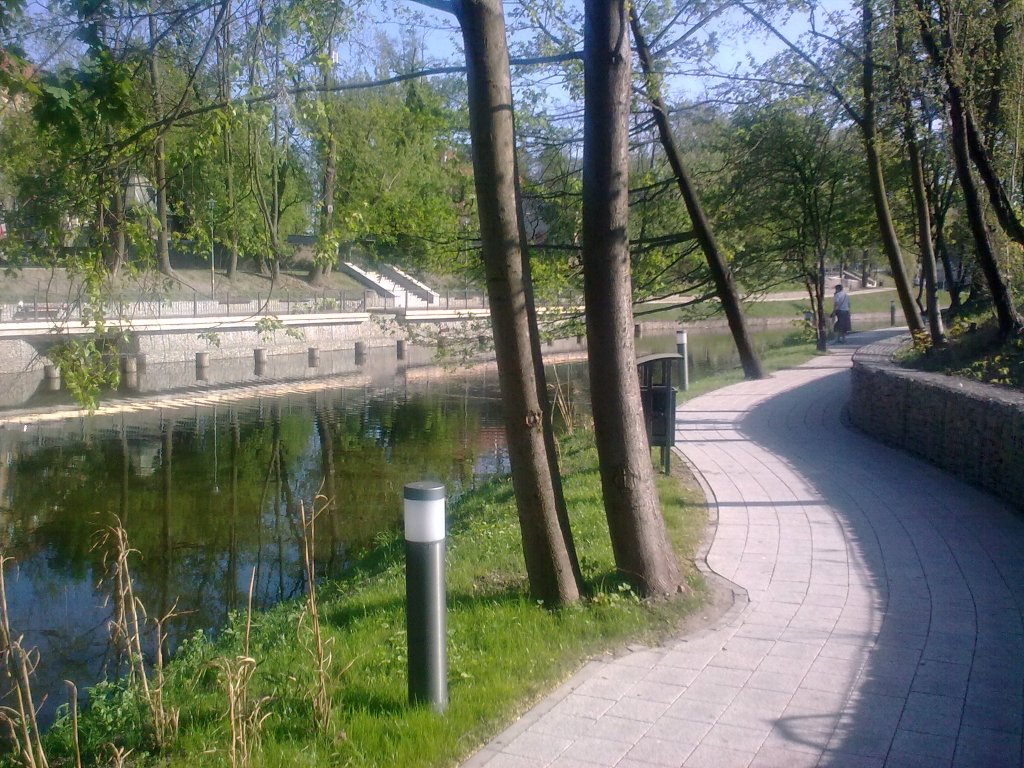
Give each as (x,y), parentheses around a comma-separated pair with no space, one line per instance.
(503,760)
(715,674)
(938,746)
(834,759)
(582,705)
(613,728)
(537,746)
(568,762)
(652,751)
(687,708)
(676,729)
(638,709)
(654,691)
(675,676)
(557,724)
(596,750)
(741,738)
(909,760)
(709,756)
(776,757)
(756,708)
(980,748)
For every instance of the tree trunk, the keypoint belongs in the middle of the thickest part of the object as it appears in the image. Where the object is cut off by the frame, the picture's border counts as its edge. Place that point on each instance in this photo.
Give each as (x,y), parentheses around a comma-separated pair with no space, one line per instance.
(819,298)
(968,145)
(547,544)
(717,265)
(118,242)
(321,266)
(163,253)
(920,192)
(639,540)
(879,196)
(1002,300)
(228,152)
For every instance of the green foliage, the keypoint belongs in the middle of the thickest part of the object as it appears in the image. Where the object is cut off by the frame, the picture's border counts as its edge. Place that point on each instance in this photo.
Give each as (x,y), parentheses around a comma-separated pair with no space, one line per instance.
(974,351)
(86,368)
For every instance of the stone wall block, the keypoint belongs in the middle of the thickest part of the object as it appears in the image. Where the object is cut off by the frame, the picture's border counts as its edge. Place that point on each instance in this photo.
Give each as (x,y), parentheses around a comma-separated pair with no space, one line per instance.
(971,429)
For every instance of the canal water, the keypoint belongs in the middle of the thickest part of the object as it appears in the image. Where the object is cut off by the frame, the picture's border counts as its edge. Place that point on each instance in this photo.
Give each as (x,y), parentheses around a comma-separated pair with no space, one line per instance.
(208,490)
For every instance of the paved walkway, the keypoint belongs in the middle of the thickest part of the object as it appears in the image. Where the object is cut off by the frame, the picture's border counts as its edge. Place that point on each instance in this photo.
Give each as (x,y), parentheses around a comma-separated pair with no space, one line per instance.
(877,620)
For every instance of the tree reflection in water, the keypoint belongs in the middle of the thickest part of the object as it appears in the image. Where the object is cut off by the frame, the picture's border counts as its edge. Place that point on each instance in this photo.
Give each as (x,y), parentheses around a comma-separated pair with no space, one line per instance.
(208,494)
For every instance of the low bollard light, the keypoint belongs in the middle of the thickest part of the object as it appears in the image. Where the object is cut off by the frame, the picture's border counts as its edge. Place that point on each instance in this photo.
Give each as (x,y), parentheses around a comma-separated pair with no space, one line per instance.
(425,611)
(892,312)
(684,364)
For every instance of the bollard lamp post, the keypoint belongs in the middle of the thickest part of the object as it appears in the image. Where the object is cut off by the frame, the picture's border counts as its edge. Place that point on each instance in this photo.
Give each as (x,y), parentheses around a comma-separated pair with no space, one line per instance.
(425,611)
(684,364)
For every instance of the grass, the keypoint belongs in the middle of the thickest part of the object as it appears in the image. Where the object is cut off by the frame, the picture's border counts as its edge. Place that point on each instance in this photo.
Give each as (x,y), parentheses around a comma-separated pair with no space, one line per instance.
(504,650)
(874,302)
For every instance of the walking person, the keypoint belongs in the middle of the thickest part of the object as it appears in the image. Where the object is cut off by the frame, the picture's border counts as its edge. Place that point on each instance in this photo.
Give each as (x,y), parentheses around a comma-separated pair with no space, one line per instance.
(841,312)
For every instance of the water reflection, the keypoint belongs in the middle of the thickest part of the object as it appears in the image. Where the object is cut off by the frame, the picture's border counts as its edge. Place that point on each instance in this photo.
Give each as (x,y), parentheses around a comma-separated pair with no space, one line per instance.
(210,493)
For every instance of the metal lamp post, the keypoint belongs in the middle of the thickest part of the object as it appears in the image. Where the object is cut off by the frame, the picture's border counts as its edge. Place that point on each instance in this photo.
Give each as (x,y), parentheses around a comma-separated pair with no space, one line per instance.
(425,610)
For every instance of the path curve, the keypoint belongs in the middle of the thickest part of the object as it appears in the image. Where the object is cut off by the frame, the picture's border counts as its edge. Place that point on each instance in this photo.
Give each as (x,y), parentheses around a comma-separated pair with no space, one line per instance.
(878,620)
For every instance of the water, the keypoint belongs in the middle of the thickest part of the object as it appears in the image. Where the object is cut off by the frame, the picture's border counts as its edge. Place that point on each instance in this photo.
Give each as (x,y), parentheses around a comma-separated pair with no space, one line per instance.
(209,492)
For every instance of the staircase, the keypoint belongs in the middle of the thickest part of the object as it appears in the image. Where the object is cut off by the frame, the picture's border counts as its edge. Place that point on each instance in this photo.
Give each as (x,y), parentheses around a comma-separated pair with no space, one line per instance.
(388,288)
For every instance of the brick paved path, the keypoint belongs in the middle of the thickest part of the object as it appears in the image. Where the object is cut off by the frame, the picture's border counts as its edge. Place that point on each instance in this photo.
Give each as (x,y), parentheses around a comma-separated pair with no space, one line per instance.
(877,621)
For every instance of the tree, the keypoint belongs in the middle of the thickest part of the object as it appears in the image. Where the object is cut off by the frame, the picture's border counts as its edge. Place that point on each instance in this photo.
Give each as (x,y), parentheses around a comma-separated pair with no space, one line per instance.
(937,37)
(548,548)
(866,118)
(639,540)
(722,275)
(797,188)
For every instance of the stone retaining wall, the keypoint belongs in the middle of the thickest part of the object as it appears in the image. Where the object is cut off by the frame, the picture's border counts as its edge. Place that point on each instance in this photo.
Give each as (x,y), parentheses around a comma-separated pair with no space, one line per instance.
(972,429)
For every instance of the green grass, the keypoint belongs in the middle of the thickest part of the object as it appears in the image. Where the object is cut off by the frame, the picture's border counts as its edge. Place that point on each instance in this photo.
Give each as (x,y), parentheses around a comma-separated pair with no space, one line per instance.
(504,649)
(866,303)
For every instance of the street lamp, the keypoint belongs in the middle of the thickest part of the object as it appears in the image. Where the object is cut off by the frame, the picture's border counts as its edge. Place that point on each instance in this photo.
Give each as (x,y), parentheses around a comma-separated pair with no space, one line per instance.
(213,294)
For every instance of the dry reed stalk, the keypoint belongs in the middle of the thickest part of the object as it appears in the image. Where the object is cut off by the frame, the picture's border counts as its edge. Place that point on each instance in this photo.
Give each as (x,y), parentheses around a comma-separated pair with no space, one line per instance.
(563,401)
(19,664)
(119,756)
(322,659)
(126,633)
(165,722)
(245,714)
(73,708)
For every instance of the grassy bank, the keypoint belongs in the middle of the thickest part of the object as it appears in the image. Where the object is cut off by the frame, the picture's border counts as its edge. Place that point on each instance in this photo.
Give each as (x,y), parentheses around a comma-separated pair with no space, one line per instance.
(504,650)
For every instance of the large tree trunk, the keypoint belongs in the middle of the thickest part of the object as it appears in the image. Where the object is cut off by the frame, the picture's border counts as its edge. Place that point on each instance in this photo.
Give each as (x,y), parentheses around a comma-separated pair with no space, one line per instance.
(547,543)
(163,253)
(887,230)
(725,287)
(639,541)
